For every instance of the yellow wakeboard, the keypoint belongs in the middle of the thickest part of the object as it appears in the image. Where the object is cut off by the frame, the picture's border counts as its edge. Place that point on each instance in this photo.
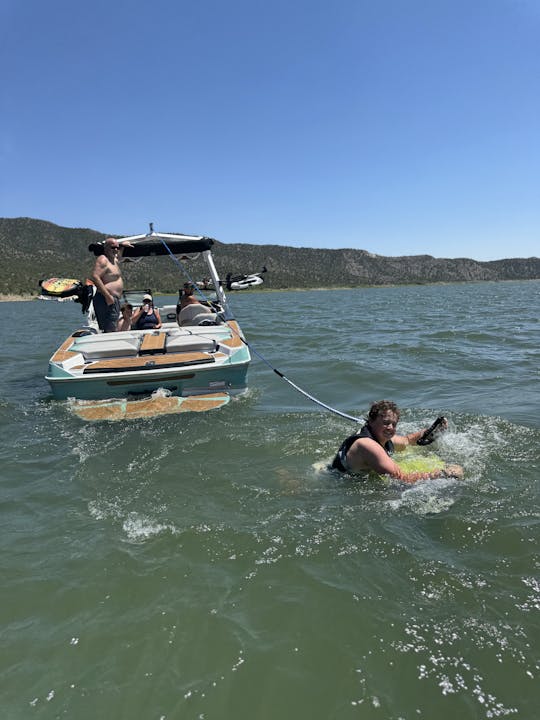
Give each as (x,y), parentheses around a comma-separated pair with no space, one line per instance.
(412,461)
(60,287)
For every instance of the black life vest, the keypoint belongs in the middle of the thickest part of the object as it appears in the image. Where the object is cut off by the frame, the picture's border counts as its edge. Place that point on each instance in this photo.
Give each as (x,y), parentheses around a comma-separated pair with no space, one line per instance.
(341,454)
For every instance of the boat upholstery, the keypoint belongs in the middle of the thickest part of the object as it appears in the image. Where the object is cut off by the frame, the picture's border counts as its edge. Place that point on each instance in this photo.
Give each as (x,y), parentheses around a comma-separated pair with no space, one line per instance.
(194,314)
(185,343)
(109,349)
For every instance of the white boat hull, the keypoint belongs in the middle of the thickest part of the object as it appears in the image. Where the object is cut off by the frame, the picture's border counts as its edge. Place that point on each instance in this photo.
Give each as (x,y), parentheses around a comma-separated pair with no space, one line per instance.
(117,365)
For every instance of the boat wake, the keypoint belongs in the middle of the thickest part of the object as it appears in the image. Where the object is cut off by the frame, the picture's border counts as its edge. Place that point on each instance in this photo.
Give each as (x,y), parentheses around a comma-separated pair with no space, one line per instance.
(429,497)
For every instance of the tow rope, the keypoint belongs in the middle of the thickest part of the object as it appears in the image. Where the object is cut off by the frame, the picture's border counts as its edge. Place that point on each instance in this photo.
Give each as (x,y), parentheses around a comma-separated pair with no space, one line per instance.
(299,389)
(260,356)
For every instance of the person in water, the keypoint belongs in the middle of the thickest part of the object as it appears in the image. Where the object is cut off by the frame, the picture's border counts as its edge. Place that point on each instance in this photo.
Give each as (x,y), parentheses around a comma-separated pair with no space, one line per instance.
(372,447)
(107,278)
(147,316)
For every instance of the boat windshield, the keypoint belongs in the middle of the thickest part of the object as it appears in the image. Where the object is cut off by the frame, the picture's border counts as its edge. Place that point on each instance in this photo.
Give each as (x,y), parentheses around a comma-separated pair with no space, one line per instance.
(135,297)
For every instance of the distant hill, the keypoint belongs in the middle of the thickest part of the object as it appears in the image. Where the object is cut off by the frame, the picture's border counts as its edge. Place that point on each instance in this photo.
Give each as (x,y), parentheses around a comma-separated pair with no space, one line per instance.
(35,249)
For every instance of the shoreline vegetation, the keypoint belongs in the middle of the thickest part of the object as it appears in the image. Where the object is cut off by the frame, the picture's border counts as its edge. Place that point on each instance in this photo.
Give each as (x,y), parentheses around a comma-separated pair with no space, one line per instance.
(37,249)
(16,298)
(9,297)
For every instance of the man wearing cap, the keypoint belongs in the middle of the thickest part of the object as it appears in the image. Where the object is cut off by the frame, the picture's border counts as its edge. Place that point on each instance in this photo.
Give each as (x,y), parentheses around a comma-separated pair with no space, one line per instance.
(107,278)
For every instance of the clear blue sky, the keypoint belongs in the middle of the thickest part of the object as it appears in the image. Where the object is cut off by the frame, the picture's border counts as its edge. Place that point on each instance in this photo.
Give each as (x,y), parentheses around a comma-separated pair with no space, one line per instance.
(401,127)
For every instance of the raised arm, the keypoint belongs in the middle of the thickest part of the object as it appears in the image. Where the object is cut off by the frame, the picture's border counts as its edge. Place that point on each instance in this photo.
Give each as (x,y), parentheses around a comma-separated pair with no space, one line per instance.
(136,315)
(420,437)
(121,245)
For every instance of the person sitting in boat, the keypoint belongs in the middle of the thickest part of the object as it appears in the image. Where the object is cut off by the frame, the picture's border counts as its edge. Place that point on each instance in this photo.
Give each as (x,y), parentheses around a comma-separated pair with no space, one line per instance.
(188,297)
(126,319)
(147,316)
(371,449)
(189,308)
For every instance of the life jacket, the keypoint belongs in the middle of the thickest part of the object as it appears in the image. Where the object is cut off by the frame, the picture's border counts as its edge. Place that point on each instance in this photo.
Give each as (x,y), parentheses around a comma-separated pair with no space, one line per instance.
(339,461)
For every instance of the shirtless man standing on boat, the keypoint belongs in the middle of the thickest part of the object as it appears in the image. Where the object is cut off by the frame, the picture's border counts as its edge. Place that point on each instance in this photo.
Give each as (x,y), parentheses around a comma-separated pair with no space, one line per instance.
(107,278)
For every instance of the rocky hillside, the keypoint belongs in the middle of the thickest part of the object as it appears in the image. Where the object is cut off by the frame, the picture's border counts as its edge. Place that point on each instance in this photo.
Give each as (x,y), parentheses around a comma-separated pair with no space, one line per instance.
(35,249)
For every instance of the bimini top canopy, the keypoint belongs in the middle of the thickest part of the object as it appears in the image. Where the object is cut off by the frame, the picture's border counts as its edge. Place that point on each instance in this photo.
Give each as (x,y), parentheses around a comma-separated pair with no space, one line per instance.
(154,243)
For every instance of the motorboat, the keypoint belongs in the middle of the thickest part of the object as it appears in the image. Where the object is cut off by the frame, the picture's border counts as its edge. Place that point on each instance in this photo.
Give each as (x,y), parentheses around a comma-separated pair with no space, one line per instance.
(198,352)
(244,282)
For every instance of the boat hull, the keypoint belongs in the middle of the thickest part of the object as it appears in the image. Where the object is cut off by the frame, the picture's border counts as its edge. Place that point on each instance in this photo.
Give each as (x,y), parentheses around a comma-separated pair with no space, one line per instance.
(135,364)
(232,379)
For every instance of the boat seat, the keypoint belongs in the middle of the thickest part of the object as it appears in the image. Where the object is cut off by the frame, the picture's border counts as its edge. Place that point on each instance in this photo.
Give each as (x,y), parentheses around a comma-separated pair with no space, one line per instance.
(196,314)
(110,349)
(103,337)
(188,343)
(168,313)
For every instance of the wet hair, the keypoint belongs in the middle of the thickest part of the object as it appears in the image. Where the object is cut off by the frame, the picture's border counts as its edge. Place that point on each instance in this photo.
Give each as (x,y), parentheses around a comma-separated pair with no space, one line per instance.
(380,407)
(125,306)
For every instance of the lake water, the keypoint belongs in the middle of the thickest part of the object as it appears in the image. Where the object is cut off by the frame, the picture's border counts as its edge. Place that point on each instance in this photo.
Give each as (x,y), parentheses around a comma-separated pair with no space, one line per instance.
(203,566)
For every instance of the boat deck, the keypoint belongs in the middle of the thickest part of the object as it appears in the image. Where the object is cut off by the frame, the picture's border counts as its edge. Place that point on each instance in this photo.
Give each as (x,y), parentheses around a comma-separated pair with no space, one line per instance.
(138,350)
(184,360)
